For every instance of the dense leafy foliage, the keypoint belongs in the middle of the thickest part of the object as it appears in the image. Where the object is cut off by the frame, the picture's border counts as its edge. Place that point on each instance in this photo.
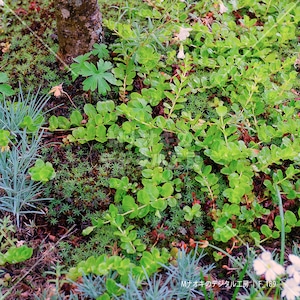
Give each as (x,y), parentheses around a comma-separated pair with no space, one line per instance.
(237,66)
(203,102)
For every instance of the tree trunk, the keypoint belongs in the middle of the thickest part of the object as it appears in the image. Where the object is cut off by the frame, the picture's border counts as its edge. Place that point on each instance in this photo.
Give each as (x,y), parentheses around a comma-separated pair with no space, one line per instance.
(78,27)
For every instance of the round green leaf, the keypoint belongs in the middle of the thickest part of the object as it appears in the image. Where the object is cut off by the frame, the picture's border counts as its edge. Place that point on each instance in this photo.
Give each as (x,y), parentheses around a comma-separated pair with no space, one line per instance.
(167,190)
(221,111)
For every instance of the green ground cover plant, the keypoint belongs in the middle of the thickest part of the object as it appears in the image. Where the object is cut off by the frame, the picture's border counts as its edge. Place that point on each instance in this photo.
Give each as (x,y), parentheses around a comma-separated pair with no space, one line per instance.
(21,120)
(5,89)
(189,138)
(247,93)
(13,254)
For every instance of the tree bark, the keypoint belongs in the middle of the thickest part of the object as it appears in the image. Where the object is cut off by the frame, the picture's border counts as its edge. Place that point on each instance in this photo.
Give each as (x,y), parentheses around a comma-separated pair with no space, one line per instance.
(79,27)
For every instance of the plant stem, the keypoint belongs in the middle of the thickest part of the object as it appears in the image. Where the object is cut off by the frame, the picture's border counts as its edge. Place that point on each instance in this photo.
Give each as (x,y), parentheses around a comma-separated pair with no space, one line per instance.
(282,230)
(69,98)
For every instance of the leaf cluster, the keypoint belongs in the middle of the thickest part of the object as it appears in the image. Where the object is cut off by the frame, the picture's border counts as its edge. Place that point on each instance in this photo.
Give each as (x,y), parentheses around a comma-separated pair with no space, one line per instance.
(97,75)
(20,122)
(231,148)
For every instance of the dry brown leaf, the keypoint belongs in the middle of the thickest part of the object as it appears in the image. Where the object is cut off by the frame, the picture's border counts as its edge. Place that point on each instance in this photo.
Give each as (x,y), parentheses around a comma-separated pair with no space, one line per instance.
(57,91)
(5,46)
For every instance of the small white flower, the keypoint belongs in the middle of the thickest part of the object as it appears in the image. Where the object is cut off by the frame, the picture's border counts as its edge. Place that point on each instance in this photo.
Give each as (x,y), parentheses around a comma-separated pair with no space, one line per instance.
(1,3)
(293,272)
(267,266)
(294,269)
(295,260)
(266,255)
(184,33)
(181,54)
(223,8)
(291,289)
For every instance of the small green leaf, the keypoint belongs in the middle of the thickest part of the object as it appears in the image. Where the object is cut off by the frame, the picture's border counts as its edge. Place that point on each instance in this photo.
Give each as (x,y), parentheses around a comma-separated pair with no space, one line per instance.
(76,118)
(144,212)
(4,137)
(63,122)
(105,296)
(6,89)
(90,132)
(221,60)
(18,254)
(145,55)
(172,202)
(53,123)
(105,106)
(30,124)
(221,111)
(217,255)
(143,197)
(79,134)
(290,218)
(119,220)
(101,134)
(266,231)
(2,259)
(167,190)
(128,204)
(160,122)
(190,213)
(88,230)
(90,110)
(42,171)
(128,247)
(80,65)
(159,204)
(113,288)
(256,237)
(275,234)
(100,50)
(3,77)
